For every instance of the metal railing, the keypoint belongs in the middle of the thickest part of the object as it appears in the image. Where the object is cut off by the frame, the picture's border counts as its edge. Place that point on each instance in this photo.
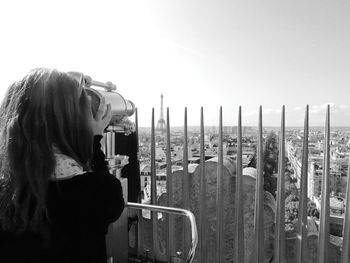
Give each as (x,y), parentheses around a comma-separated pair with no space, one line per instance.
(280,240)
(174,211)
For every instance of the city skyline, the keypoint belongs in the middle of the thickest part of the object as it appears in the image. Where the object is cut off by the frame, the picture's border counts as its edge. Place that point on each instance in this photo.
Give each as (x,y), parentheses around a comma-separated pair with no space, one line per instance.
(195,53)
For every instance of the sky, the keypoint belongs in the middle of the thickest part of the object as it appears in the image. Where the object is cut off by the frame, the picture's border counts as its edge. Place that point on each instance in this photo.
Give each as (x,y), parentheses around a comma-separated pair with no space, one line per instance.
(197,53)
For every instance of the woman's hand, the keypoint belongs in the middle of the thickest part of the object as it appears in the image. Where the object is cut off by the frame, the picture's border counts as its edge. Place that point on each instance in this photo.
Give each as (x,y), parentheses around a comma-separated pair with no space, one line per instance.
(102,118)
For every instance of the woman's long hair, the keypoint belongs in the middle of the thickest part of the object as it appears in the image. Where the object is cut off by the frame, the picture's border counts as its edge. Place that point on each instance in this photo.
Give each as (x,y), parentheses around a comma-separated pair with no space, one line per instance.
(42,110)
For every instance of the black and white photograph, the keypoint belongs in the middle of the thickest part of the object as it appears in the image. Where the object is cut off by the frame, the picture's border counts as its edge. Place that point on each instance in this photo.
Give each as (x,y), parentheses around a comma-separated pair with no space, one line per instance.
(204,131)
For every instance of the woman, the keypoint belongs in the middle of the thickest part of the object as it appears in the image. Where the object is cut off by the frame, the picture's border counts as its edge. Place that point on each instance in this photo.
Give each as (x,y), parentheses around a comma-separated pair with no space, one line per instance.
(57,197)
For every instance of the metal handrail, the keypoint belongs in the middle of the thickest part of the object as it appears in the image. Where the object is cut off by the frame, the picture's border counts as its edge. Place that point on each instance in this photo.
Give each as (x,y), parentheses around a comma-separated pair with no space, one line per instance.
(177,211)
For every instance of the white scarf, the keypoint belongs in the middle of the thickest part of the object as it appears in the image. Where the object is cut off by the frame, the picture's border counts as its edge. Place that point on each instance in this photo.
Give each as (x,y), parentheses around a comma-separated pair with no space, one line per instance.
(66,167)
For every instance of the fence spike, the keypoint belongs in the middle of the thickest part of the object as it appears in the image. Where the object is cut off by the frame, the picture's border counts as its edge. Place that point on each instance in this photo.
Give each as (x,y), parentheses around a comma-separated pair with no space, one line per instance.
(324,216)
(203,212)
(302,220)
(169,186)
(239,240)
(219,196)
(154,215)
(280,243)
(140,231)
(185,186)
(258,253)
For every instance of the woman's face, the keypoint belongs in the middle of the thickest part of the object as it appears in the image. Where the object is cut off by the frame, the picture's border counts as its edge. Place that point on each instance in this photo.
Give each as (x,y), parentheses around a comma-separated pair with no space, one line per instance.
(95,100)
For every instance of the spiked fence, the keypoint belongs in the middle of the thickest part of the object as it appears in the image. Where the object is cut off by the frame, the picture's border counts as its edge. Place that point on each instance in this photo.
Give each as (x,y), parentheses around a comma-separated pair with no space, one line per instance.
(258,250)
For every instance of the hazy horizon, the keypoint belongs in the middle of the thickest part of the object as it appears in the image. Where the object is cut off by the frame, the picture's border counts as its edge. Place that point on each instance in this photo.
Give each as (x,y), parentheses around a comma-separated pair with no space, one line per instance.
(248,126)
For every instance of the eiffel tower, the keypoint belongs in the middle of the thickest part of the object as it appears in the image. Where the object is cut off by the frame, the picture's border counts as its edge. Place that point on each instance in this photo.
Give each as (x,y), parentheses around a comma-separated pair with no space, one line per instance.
(161,125)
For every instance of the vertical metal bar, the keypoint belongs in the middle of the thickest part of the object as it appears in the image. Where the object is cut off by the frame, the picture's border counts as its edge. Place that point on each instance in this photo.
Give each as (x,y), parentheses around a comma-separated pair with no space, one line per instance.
(302,221)
(203,209)
(169,186)
(324,217)
(259,199)
(239,240)
(280,242)
(140,248)
(185,188)
(137,132)
(345,254)
(138,150)
(109,153)
(113,143)
(219,197)
(154,215)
